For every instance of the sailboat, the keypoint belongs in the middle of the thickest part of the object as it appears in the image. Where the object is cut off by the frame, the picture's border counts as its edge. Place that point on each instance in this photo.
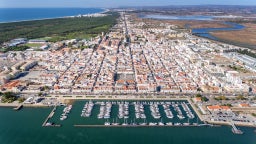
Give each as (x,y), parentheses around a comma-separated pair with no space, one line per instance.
(125,123)
(161,123)
(196,122)
(115,123)
(107,123)
(133,123)
(143,123)
(186,124)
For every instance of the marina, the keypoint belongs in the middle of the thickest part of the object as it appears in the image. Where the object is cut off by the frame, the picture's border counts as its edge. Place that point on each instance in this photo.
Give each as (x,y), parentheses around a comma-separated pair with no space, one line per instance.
(65,113)
(87,110)
(128,113)
(76,129)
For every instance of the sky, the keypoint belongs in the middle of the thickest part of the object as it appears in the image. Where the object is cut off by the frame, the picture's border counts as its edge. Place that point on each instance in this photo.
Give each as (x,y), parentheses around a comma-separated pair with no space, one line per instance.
(116,3)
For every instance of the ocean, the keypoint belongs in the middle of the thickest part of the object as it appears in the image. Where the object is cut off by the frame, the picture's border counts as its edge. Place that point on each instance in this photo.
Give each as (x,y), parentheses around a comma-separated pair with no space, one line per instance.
(25,14)
(25,127)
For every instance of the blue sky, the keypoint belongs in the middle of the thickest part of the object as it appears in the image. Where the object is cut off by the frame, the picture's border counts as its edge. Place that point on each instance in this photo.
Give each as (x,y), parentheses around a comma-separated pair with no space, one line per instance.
(116,3)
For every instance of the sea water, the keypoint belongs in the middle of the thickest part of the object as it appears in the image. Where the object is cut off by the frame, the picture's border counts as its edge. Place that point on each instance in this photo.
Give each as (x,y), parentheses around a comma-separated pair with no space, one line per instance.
(25,127)
(25,14)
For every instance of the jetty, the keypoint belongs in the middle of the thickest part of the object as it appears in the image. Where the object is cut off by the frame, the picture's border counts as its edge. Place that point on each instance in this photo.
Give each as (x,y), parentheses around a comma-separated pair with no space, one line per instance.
(235,130)
(130,125)
(18,107)
(46,123)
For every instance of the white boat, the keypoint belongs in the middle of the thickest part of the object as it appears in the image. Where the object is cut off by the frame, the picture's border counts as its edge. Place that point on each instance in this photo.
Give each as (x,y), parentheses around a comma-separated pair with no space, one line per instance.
(142,123)
(186,124)
(124,124)
(63,117)
(160,123)
(152,124)
(169,123)
(177,124)
(107,123)
(48,124)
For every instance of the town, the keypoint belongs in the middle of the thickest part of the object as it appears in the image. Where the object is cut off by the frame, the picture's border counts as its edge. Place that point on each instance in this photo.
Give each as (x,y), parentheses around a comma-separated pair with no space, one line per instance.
(135,59)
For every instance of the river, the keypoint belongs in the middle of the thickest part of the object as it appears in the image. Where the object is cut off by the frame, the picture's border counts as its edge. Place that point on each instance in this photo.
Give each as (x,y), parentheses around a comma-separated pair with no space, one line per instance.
(202,32)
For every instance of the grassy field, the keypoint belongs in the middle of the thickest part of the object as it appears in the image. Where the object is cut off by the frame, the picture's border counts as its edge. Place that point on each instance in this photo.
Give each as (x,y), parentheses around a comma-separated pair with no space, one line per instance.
(33,45)
(246,36)
(58,29)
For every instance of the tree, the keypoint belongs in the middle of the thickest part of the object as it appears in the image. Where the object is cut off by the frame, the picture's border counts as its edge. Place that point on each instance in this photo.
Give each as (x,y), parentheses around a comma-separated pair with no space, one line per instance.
(204,99)
(8,97)
(40,94)
(45,88)
(21,99)
(198,95)
(221,98)
(240,97)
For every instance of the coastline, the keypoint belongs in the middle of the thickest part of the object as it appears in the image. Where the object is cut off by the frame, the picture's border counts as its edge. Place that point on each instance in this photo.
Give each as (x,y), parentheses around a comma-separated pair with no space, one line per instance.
(195,109)
(12,105)
(241,124)
(104,10)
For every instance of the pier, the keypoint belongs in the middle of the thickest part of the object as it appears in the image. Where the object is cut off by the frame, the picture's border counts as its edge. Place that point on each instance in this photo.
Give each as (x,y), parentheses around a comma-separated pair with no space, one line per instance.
(235,130)
(18,107)
(46,123)
(105,126)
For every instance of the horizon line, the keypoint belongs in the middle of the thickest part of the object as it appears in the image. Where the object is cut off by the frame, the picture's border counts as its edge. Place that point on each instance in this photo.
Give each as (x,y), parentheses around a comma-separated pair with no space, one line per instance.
(130,6)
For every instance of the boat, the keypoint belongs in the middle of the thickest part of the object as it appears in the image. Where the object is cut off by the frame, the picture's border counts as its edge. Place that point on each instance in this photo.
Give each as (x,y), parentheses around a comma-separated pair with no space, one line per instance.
(155,111)
(177,124)
(167,111)
(87,109)
(195,124)
(49,124)
(125,123)
(139,110)
(123,111)
(180,116)
(152,124)
(133,123)
(187,110)
(143,124)
(160,123)
(107,123)
(115,123)
(169,123)
(186,124)
(63,117)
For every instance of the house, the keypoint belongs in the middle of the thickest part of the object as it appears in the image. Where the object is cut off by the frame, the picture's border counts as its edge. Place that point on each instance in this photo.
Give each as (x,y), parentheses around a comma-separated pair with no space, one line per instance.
(218,108)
